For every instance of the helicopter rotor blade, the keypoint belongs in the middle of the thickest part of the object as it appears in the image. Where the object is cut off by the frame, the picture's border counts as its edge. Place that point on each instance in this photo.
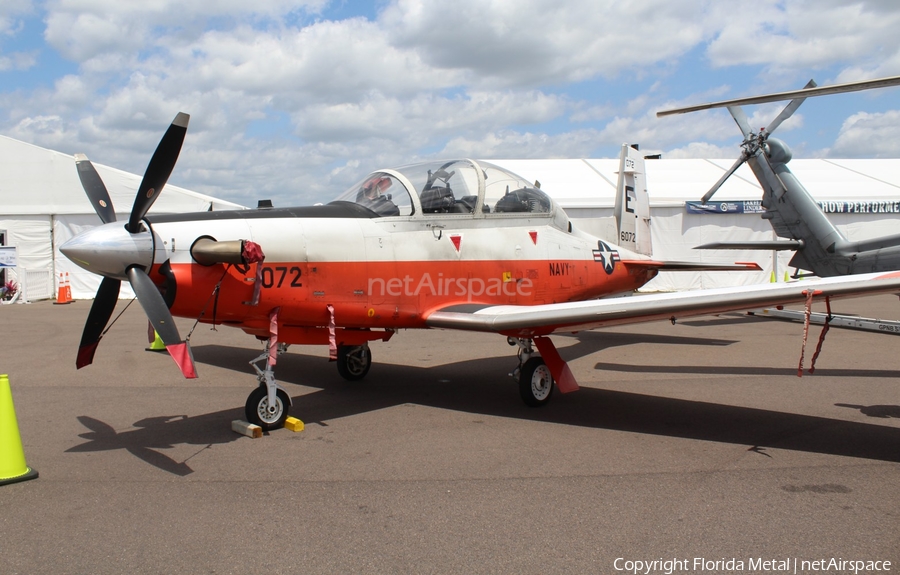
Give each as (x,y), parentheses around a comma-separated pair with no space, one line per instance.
(788,110)
(724,177)
(789,95)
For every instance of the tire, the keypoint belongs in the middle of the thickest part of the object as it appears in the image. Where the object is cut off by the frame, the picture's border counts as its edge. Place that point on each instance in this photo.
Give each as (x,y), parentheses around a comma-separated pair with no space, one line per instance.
(354,361)
(535,383)
(257,411)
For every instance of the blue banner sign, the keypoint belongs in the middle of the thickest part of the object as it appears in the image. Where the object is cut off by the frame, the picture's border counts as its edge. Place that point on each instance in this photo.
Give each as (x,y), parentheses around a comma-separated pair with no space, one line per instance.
(735,207)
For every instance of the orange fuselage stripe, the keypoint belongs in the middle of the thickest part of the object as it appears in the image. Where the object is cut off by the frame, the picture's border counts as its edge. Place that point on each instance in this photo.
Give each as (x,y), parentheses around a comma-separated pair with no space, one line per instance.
(386,295)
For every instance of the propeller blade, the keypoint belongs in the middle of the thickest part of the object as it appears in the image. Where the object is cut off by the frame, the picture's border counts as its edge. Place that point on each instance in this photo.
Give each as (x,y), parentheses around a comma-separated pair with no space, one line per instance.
(158,170)
(789,109)
(160,318)
(724,177)
(94,188)
(101,310)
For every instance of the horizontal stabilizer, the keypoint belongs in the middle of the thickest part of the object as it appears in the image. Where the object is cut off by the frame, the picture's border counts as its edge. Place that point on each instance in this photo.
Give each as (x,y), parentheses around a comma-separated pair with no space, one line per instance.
(760,245)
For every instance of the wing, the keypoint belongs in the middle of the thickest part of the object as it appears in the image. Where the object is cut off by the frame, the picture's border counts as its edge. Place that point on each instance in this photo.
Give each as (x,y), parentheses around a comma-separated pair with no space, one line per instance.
(530,321)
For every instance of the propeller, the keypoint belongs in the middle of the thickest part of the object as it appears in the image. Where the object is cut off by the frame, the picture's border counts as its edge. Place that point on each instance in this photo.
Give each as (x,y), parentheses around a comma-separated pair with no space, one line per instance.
(101,251)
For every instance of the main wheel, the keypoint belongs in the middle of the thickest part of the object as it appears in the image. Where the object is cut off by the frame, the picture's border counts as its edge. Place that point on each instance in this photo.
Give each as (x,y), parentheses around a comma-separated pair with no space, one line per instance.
(353,361)
(258,411)
(535,382)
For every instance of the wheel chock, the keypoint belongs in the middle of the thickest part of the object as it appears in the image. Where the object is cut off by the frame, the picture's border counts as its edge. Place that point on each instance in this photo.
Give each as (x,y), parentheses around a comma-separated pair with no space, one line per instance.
(293,424)
(244,428)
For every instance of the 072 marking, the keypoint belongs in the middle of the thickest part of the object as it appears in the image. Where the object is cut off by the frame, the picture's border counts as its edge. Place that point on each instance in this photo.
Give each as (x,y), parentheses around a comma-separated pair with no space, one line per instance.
(269,276)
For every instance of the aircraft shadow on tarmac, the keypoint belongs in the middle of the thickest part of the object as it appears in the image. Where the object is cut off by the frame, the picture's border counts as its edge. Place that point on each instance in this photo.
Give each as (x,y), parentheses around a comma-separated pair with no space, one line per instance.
(481,386)
(155,433)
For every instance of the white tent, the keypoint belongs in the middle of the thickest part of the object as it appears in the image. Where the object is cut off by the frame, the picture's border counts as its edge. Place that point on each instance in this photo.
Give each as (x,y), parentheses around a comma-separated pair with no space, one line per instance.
(861,197)
(42,204)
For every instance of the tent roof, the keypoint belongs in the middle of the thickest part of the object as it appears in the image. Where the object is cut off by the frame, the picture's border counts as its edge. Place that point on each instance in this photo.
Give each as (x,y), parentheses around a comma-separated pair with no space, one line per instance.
(40,181)
(592,183)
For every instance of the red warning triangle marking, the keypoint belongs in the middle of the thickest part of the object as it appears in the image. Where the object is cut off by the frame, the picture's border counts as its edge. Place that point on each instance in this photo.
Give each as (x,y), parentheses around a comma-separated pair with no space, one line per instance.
(533,237)
(456,241)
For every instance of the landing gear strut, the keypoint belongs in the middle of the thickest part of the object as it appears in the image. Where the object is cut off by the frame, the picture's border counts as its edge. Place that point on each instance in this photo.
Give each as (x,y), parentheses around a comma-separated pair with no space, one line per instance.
(533,375)
(268,405)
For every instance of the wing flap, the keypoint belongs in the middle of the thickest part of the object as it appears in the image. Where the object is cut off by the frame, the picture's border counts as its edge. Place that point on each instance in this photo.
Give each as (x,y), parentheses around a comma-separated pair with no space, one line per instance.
(575,316)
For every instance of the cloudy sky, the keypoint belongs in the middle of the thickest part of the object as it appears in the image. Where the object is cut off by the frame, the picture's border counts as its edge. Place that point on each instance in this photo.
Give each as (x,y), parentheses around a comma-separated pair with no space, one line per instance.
(294,100)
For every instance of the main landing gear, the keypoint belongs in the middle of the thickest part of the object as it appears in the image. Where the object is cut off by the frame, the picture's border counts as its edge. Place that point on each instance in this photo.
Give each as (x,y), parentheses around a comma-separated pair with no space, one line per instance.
(533,375)
(354,361)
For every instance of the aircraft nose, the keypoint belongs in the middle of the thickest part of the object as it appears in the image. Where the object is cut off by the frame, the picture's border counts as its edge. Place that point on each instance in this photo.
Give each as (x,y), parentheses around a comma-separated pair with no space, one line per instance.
(109,250)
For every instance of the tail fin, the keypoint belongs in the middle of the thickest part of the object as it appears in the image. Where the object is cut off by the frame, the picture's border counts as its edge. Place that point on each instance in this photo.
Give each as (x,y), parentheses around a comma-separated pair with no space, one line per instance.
(632,203)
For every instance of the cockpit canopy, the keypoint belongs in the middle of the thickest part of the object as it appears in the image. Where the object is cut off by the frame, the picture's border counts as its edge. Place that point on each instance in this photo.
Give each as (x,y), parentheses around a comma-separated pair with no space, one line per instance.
(479,189)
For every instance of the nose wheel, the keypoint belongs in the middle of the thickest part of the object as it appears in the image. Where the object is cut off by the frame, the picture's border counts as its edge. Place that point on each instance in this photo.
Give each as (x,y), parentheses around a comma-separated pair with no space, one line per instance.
(259,411)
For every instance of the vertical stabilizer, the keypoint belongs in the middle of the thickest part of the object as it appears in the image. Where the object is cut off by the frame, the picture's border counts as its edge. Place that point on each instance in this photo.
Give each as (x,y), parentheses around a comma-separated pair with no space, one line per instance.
(632,202)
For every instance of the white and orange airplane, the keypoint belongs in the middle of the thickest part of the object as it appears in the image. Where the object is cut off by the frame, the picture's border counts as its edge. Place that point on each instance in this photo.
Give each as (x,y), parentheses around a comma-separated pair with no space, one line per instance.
(458,245)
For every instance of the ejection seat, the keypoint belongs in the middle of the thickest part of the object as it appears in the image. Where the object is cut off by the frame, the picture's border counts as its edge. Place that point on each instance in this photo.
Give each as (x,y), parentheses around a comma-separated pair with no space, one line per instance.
(440,200)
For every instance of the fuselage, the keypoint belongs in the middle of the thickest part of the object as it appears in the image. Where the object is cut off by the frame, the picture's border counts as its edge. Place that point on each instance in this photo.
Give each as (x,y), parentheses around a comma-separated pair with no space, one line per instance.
(384,273)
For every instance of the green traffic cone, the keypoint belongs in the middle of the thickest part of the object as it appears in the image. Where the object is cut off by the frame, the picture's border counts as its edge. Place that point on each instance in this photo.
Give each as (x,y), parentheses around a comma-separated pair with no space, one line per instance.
(157,344)
(12,458)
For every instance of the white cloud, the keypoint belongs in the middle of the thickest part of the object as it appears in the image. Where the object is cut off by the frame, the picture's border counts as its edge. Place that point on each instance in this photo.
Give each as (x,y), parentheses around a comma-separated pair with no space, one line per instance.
(87,29)
(512,43)
(18,61)
(865,135)
(510,144)
(804,34)
(10,13)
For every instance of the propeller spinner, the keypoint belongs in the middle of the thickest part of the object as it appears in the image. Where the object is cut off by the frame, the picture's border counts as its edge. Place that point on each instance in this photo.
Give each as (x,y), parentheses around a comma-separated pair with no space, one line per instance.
(125,252)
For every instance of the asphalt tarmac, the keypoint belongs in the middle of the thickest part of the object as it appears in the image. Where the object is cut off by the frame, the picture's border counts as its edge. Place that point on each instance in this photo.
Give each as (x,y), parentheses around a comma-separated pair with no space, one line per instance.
(694,441)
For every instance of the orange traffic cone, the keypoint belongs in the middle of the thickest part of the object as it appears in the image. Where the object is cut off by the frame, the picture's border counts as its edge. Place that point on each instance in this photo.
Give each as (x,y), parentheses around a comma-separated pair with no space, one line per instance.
(68,288)
(64,295)
(12,457)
